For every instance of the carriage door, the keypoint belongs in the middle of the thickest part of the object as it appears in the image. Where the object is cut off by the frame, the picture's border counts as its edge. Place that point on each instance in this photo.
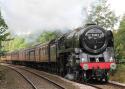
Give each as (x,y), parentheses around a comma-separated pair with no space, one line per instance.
(32,55)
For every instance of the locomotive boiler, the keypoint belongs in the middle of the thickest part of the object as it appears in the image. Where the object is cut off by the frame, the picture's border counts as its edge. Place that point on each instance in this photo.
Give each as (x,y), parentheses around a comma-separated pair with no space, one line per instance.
(85,53)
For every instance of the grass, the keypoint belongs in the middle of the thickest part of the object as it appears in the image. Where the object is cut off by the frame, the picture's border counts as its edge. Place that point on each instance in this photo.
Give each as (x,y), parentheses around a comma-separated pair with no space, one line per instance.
(2,73)
(119,74)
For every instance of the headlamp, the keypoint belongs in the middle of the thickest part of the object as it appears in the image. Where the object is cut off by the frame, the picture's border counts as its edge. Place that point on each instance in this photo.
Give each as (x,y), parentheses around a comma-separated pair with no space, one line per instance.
(85,66)
(113,66)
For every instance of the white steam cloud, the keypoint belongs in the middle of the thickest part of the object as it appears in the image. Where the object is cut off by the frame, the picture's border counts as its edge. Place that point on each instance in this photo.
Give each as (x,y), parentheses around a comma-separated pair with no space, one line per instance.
(28,16)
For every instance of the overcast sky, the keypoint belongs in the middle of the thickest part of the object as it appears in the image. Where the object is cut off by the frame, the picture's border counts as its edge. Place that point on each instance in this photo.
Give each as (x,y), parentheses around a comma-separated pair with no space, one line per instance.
(27,16)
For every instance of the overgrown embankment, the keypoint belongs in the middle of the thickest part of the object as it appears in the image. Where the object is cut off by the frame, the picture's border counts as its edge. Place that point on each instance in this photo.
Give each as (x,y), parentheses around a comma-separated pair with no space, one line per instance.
(119,74)
(2,74)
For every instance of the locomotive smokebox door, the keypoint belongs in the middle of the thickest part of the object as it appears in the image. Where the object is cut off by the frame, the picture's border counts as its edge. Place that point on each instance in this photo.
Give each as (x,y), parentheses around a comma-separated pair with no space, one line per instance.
(93,39)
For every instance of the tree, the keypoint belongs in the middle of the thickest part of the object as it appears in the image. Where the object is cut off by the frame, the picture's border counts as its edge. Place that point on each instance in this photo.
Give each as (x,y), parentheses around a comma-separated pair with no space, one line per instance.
(101,14)
(48,36)
(15,44)
(3,32)
(120,40)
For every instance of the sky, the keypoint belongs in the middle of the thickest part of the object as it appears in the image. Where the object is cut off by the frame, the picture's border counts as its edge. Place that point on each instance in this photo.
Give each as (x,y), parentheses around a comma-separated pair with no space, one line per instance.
(29,16)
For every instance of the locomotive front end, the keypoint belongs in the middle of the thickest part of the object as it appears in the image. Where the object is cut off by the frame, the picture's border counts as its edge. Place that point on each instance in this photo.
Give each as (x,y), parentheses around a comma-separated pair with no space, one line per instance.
(97,59)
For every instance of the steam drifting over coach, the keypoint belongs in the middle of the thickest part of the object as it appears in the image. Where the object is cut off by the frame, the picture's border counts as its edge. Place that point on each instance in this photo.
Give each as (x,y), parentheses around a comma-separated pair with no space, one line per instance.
(85,53)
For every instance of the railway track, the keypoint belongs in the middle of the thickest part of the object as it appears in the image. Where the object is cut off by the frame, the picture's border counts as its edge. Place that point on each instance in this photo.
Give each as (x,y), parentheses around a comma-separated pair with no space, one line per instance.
(98,86)
(30,83)
(35,84)
(53,83)
(109,85)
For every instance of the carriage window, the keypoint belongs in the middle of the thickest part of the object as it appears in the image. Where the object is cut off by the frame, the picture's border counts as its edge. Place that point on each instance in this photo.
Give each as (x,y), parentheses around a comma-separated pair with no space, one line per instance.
(43,51)
(46,51)
(37,52)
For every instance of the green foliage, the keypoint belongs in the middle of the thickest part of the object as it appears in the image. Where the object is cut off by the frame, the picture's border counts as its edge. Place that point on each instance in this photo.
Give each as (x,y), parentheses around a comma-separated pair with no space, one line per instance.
(48,36)
(120,40)
(15,44)
(3,33)
(101,14)
(119,75)
(3,25)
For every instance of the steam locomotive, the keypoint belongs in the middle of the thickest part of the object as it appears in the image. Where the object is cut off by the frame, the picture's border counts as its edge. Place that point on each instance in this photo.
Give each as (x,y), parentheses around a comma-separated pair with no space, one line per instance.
(83,54)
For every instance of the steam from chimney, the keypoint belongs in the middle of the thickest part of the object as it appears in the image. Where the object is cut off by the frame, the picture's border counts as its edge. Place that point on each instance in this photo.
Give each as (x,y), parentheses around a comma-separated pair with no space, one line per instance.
(29,16)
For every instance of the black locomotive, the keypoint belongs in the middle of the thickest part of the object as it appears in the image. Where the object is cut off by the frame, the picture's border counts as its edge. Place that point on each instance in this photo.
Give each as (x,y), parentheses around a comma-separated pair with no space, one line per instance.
(83,54)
